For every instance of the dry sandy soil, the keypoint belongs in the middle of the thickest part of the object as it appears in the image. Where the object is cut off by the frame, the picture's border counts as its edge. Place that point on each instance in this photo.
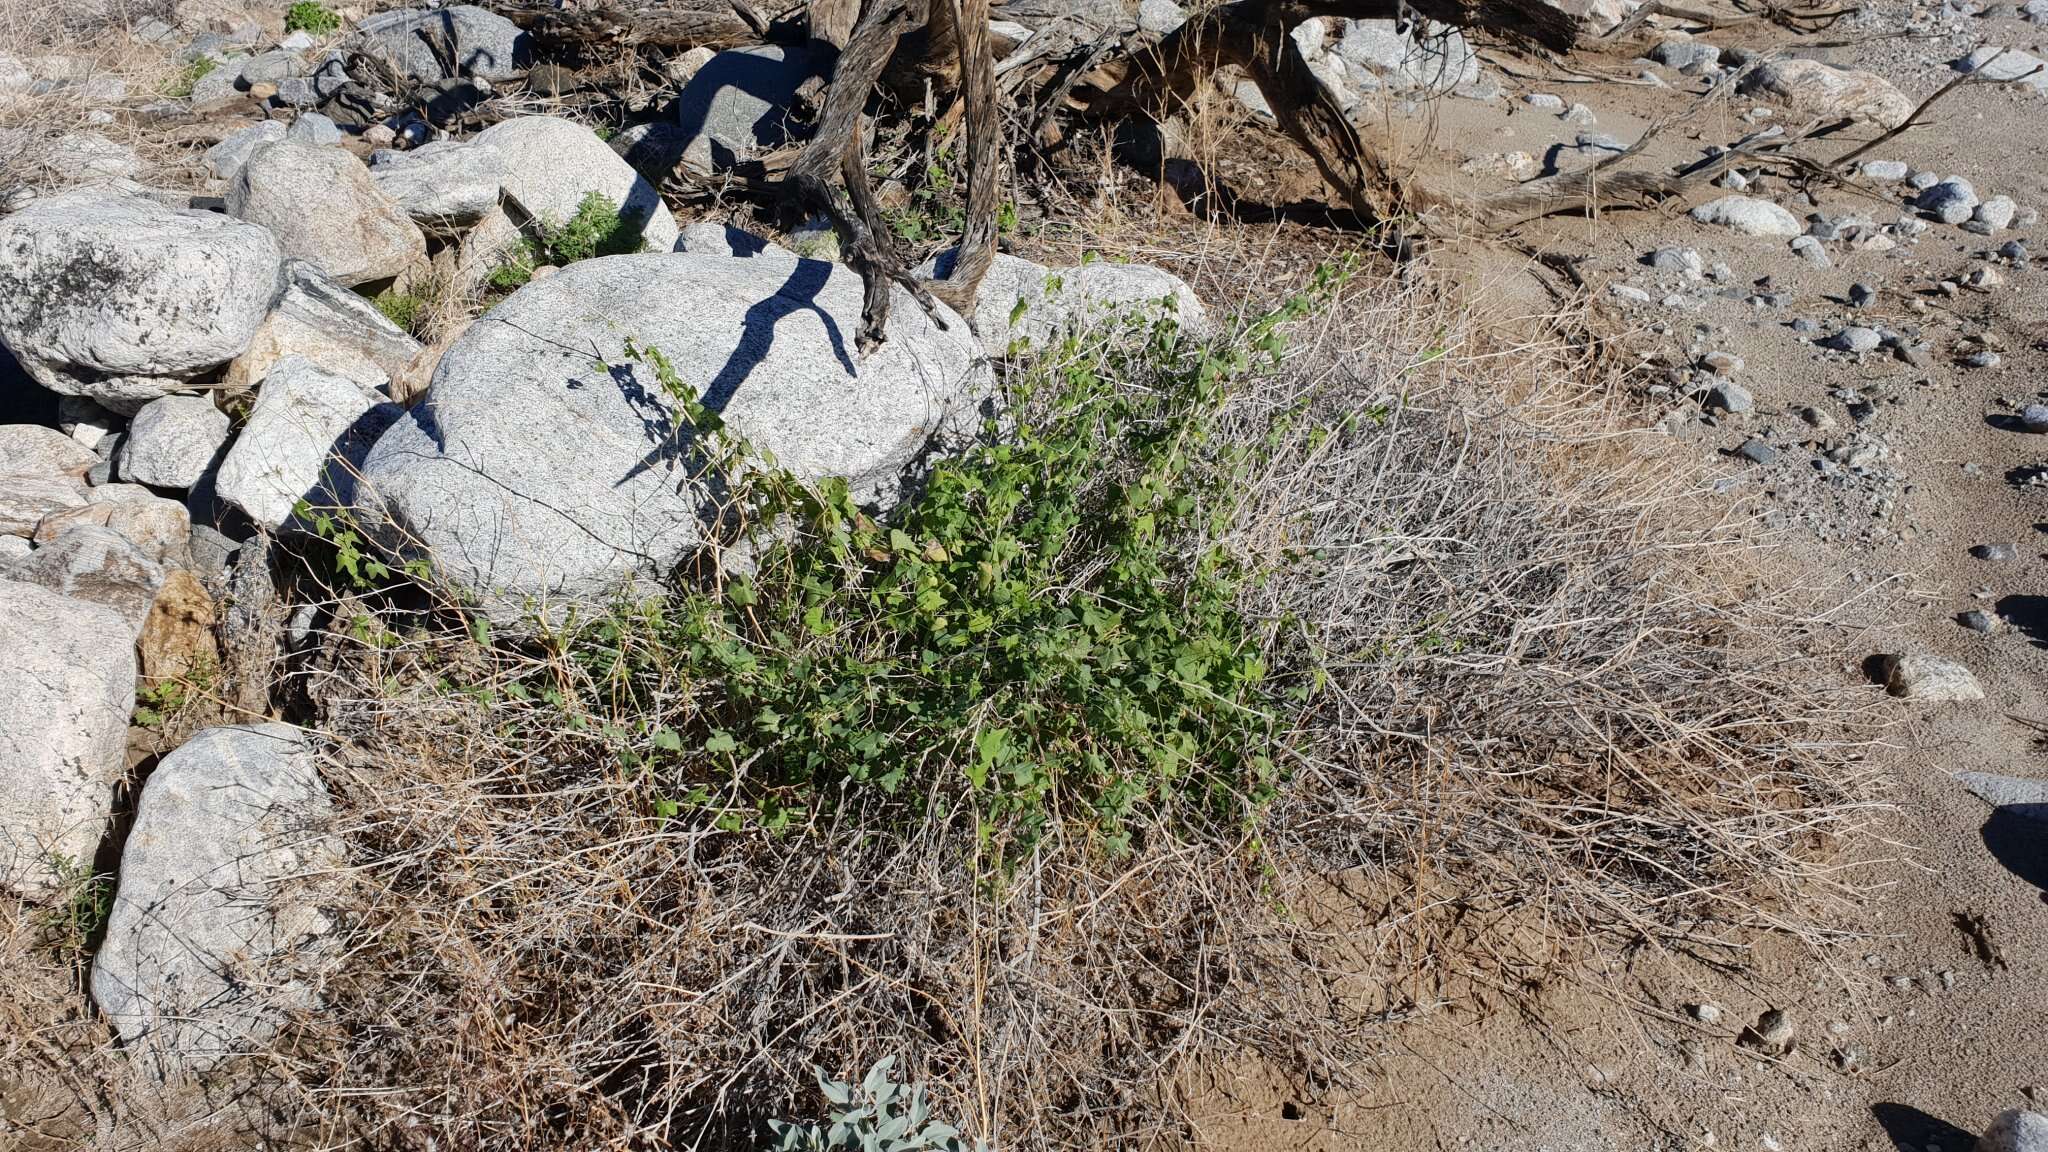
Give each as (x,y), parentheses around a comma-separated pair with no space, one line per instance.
(1915,1035)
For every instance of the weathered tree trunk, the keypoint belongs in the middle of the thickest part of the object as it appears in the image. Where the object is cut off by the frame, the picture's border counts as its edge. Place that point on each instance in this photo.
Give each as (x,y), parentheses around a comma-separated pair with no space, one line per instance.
(711,23)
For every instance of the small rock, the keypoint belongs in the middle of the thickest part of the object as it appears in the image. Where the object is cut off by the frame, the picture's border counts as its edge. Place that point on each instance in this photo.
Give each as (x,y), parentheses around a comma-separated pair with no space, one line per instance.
(212,904)
(2016,1130)
(1928,679)
(1812,250)
(38,451)
(96,564)
(1992,215)
(172,442)
(1684,261)
(313,128)
(1978,620)
(304,440)
(1952,201)
(2034,418)
(324,208)
(1773,1034)
(1544,101)
(226,158)
(488,45)
(1749,216)
(1706,1013)
(2008,64)
(1862,295)
(1683,54)
(737,105)
(444,187)
(1856,339)
(1728,396)
(1628,292)
(1756,451)
(1984,358)
(1995,553)
(1888,171)
(1815,89)
(67,685)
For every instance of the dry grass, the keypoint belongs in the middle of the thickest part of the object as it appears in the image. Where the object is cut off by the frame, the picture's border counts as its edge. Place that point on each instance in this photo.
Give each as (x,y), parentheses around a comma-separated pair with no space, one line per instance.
(84,49)
(1562,713)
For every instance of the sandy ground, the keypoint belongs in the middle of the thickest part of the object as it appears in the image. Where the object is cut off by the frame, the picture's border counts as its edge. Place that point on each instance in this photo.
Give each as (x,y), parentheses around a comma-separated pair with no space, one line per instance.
(1915,1035)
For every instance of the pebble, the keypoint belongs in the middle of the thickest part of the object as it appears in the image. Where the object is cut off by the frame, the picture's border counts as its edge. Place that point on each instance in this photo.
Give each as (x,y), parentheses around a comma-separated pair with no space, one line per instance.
(1811,248)
(1977,620)
(1706,1013)
(1890,171)
(1628,292)
(1856,339)
(1681,260)
(1984,359)
(1992,215)
(1951,201)
(2034,417)
(1983,278)
(1546,101)
(1756,451)
(1728,396)
(1804,327)
(1817,418)
(1579,114)
(1862,295)
(2017,1130)
(1772,1034)
(1996,553)
(1924,180)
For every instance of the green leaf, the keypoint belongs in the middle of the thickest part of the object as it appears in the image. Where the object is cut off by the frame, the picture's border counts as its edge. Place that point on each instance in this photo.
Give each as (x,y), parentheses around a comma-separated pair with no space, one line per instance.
(720,743)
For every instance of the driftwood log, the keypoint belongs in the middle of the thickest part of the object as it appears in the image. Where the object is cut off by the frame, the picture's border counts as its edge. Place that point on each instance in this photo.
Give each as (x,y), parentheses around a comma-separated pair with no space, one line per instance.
(1087,59)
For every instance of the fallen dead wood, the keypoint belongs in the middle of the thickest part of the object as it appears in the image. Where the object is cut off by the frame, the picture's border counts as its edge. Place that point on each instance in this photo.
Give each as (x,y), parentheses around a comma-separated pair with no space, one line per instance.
(715,24)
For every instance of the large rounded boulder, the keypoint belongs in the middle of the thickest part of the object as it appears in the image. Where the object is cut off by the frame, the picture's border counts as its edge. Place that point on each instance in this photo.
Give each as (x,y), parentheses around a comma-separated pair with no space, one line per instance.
(327,211)
(545,466)
(112,296)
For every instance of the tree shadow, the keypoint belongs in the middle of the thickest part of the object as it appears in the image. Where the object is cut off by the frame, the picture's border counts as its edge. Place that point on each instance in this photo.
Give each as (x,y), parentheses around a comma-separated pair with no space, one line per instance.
(22,399)
(798,293)
(774,83)
(1912,1130)
(2016,835)
(2027,614)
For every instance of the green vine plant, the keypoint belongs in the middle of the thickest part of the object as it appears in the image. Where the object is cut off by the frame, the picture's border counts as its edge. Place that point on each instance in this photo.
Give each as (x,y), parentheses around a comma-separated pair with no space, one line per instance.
(72,919)
(311,17)
(1046,636)
(597,228)
(875,1115)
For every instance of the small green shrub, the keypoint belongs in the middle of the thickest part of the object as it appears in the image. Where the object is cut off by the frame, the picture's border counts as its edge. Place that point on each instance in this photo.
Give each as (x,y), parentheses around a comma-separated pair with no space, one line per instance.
(598,228)
(182,84)
(73,917)
(1047,635)
(409,310)
(311,17)
(864,1118)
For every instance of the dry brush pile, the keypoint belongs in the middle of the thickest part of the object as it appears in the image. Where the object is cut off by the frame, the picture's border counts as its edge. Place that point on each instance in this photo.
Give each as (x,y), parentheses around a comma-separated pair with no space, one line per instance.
(1479,670)
(1524,702)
